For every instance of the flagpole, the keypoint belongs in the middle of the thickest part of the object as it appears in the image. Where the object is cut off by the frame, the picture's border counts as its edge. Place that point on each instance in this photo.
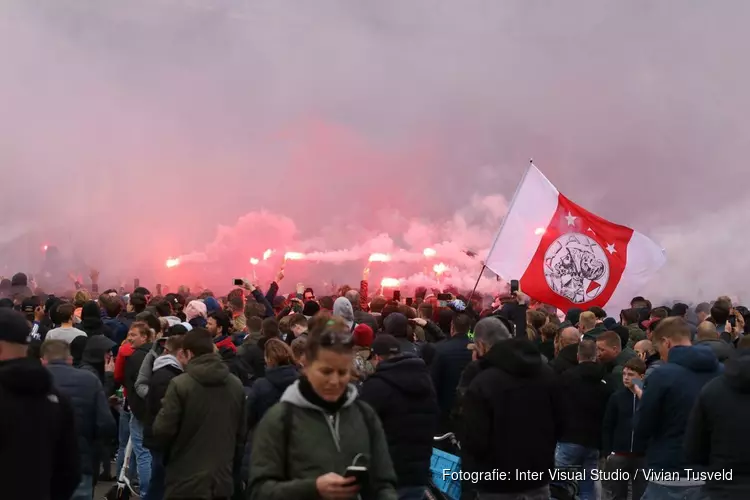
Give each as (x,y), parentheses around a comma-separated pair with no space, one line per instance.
(502,225)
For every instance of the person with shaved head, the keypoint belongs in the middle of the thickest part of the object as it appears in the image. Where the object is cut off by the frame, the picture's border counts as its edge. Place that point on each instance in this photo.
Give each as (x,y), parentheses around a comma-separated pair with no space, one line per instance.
(611,354)
(647,352)
(566,349)
(706,334)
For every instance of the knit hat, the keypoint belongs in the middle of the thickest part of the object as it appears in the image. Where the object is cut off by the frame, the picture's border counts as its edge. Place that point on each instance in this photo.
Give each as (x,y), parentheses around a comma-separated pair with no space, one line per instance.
(363,335)
(396,324)
(212,305)
(13,327)
(194,309)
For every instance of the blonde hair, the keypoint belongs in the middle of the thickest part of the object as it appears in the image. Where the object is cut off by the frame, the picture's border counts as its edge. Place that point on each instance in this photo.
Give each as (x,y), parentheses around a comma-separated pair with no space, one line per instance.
(81,297)
(587,320)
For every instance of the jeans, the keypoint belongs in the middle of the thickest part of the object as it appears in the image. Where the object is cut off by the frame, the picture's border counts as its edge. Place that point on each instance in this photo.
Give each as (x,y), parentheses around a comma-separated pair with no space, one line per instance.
(411,493)
(85,490)
(660,492)
(142,455)
(537,494)
(156,486)
(570,455)
(616,489)
(123,436)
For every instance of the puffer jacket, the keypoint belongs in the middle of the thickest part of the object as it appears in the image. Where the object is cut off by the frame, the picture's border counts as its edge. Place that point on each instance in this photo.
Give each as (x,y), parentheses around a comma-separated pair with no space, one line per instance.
(201,424)
(94,421)
(286,461)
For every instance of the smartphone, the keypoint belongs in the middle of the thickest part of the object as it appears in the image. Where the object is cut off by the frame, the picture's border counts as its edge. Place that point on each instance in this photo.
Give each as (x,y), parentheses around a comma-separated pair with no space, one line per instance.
(239,282)
(409,301)
(638,382)
(361,473)
(397,295)
(136,283)
(514,286)
(733,320)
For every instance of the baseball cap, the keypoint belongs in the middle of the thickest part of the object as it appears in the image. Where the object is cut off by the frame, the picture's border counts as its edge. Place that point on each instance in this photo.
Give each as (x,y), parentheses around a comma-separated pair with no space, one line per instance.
(385,344)
(30,304)
(96,347)
(13,327)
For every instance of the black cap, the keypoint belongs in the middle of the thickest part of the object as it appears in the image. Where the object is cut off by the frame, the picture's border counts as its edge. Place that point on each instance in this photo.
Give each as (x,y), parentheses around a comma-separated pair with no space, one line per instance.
(96,348)
(385,344)
(13,327)
(30,304)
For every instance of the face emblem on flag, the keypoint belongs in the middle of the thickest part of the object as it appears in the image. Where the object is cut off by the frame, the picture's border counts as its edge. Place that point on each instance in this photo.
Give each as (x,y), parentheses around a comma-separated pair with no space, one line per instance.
(576,267)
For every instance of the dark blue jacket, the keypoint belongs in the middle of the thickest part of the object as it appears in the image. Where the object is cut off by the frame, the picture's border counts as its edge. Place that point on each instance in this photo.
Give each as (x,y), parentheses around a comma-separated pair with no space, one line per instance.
(618,433)
(94,421)
(267,391)
(451,357)
(669,394)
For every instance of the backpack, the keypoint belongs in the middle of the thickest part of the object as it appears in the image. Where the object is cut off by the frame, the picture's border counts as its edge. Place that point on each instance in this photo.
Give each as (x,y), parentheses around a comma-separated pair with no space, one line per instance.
(287,420)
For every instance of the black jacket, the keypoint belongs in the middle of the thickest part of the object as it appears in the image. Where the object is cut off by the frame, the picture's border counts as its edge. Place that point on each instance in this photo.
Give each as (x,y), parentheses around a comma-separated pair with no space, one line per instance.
(451,357)
(165,369)
(618,431)
(132,367)
(716,436)
(514,387)
(401,393)
(39,455)
(366,318)
(252,355)
(267,391)
(547,348)
(566,359)
(586,395)
(94,421)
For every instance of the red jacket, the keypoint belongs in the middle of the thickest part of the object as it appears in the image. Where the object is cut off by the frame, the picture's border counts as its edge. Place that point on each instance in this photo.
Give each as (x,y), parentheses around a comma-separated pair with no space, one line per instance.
(126,349)
(225,342)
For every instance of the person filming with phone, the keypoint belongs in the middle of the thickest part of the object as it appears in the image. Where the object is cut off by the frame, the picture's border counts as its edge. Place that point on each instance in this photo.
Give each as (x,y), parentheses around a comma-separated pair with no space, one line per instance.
(321,441)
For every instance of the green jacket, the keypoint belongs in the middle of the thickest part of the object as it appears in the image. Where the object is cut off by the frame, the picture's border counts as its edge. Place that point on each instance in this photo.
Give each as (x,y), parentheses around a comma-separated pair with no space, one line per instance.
(202,427)
(285,466)
(614,379)
(594,333)
(636,335)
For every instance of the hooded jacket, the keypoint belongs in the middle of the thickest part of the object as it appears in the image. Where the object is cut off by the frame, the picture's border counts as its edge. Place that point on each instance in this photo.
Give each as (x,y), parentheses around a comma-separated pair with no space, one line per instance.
(166,368)
(39,455)
(586,395)
(514,389)
(94,421)
(252,355)
(669,394)
(722,350)
(342,307)
(397,324)
(401,393)
(566,359)
(201,425)
(267,391)
(285,467)
(716,435)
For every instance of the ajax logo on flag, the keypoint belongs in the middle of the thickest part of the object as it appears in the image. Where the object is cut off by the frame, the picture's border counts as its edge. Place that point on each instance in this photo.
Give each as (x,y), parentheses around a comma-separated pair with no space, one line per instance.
(576,267)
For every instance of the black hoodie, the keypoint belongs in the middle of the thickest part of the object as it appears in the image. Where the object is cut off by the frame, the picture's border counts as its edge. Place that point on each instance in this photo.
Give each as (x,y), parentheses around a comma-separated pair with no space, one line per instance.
(401,393)
(716,436)
(39,453)
(513,417)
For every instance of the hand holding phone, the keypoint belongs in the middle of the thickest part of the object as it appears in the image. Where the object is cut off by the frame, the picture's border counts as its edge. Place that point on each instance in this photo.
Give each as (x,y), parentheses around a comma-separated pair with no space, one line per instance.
(332,485)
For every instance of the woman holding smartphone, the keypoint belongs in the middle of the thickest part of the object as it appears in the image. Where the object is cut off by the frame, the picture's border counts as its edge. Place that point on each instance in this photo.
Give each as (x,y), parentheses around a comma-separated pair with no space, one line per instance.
(309,445)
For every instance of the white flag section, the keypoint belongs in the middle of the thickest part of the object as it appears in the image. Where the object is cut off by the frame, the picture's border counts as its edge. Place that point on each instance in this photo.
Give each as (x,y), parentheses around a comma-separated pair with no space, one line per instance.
(566,256)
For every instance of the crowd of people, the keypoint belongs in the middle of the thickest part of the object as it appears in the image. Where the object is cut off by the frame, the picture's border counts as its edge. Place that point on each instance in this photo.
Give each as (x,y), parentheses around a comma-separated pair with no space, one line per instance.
(258,395)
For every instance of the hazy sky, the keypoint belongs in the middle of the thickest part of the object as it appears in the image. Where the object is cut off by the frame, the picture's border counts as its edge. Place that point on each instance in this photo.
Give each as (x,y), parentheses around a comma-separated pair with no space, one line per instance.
(131,130)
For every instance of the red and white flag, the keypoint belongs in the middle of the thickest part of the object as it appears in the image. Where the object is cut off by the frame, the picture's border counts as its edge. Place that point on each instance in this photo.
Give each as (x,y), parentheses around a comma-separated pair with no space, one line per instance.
(566,256)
